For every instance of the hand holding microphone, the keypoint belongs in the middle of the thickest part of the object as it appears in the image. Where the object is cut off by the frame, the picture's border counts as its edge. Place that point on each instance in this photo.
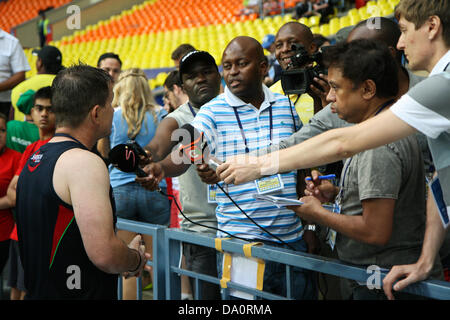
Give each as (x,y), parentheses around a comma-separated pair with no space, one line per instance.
(126,157)
(196,150)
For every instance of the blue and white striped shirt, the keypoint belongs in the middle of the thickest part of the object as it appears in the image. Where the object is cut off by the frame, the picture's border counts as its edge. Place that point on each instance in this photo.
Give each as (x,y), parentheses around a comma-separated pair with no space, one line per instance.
(218,122)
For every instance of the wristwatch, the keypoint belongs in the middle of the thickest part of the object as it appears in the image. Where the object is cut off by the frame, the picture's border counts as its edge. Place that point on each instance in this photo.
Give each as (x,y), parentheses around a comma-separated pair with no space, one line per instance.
(310,227)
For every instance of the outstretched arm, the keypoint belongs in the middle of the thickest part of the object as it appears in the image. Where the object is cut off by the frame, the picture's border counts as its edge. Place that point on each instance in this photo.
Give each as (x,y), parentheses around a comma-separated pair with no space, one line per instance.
(325,148)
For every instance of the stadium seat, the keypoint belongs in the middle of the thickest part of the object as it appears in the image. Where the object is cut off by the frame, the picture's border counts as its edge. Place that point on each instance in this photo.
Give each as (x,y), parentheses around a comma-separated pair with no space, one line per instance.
(324,30)
(314,21)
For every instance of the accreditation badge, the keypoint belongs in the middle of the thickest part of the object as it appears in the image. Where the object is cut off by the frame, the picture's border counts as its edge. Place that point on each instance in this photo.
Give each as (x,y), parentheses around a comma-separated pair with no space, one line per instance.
(331,235)
(269,184)
(438,196)
(211,193)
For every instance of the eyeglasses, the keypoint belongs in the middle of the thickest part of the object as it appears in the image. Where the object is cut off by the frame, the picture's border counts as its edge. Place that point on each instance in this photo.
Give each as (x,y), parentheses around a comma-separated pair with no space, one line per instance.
(40,108)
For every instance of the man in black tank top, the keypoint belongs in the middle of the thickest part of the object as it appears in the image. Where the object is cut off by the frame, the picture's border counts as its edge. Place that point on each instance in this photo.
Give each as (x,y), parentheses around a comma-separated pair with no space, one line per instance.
(65,208)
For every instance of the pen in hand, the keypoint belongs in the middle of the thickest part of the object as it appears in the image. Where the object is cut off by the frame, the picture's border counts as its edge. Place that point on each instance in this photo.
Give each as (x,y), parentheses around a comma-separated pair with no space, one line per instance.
(326,177)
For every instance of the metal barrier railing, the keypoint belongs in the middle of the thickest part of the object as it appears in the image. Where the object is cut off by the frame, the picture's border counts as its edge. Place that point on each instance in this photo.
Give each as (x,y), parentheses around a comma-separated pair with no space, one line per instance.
(166,259)
(157,262)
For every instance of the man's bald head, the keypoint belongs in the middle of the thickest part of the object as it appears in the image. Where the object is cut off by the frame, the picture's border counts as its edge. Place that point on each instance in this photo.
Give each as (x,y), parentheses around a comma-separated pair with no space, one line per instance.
(244,66)
(302,30)
(384,30)
(247,44)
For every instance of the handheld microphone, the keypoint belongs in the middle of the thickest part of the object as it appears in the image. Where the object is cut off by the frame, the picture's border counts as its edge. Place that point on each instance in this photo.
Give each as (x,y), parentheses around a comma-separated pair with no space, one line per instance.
(195,152)
(125,157)
(193,149)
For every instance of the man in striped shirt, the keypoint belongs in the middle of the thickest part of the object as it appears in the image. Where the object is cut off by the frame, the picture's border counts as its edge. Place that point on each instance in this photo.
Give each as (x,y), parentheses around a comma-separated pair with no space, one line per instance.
(245,118)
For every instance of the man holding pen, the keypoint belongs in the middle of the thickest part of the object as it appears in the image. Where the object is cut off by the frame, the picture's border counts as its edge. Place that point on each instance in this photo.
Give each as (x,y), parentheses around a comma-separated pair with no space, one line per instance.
(382,212)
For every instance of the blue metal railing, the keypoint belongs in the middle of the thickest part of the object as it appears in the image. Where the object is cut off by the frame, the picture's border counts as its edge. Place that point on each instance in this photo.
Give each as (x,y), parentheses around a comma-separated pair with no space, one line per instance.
(166,257)
(157,262)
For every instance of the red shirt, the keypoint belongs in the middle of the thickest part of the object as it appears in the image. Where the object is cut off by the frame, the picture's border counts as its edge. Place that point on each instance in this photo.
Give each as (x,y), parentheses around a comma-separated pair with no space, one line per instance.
(9,162)
(32,148)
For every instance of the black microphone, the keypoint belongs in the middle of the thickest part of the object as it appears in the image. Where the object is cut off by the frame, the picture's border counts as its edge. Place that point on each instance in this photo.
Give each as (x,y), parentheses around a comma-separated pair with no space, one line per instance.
(195,148)
(125,157)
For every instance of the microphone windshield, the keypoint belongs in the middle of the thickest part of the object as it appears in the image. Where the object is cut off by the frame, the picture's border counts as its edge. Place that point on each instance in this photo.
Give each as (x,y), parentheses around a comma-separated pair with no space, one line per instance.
(191,143)
(124,157)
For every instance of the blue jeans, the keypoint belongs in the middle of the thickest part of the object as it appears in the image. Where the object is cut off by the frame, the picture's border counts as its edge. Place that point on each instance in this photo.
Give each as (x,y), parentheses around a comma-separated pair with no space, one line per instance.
(304,281)
(133,202)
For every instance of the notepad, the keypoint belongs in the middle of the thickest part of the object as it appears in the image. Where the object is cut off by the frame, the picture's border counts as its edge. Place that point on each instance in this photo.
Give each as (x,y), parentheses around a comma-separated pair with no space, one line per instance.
(283,202)
(278,201)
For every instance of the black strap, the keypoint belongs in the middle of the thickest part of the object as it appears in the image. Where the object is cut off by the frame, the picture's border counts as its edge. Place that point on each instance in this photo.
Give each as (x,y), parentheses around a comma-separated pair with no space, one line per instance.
(384,105)
(192,109)
(247,150)
(60,134)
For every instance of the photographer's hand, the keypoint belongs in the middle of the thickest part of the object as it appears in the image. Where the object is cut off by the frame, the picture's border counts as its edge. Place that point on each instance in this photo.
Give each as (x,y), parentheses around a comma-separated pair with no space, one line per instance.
(319,90)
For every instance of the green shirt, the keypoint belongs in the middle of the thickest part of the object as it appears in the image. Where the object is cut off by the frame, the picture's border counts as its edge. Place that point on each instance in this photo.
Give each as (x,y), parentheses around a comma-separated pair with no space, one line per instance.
(20,134)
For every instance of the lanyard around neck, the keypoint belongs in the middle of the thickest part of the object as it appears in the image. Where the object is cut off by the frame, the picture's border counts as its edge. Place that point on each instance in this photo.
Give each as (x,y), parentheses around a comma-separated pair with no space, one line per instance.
(192,109)
(384,105)
(247,150)
(70,137)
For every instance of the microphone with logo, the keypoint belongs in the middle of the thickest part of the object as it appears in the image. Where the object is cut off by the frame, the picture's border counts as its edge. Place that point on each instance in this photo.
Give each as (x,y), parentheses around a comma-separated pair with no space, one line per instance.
(198,152)
(126,156)
(196,149)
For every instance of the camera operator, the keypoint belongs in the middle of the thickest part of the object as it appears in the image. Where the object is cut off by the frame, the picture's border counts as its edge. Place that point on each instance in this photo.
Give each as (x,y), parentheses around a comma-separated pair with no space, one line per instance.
(314,99)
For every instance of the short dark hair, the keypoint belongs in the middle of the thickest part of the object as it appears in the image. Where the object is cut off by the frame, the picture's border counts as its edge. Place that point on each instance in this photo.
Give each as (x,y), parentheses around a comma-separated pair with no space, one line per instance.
(43,93)
(76,90)
(181,50)
(108,55)
(172,79)
(363,59)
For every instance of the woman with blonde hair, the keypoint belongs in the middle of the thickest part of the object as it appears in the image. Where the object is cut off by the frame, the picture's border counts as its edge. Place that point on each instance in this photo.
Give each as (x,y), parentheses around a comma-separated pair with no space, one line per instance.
(136,117)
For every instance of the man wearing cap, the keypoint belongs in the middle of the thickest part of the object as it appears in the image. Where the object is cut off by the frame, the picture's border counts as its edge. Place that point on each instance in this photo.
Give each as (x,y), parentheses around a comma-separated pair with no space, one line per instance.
(200,79)
(274,73)
(13,66)
(48,64)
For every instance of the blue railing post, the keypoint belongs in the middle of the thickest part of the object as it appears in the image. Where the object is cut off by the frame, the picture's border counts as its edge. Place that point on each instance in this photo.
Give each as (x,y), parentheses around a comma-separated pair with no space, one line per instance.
(172,258)
(157,232)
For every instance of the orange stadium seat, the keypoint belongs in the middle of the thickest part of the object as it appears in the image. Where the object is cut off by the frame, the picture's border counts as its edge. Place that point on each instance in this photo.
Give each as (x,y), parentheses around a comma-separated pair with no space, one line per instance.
(15,12)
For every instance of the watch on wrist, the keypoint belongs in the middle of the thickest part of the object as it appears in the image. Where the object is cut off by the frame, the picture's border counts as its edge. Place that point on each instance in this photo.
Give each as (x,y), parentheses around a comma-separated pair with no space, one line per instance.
(310,227)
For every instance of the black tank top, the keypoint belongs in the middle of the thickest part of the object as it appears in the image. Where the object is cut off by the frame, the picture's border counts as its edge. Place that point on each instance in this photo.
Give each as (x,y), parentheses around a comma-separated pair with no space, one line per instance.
(55,262)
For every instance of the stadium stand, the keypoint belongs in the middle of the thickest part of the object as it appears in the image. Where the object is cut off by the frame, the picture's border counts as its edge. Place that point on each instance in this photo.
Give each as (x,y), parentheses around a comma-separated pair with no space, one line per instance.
(15,12)
(146,34)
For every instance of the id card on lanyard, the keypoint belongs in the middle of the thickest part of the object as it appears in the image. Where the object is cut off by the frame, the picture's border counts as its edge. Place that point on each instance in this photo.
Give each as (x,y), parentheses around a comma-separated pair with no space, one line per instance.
(268,184)
(212,192)
(337,206)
